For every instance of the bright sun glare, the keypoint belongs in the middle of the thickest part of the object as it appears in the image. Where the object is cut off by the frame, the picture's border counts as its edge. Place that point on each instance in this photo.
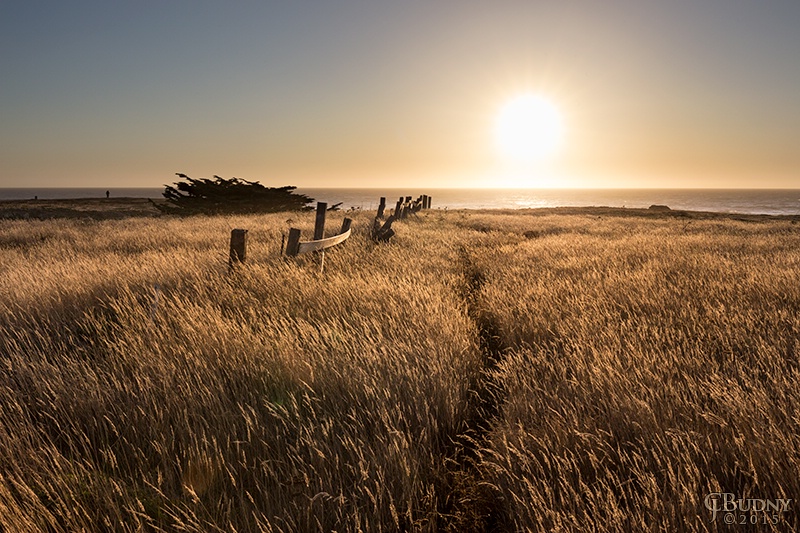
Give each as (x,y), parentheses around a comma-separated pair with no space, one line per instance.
(528,128)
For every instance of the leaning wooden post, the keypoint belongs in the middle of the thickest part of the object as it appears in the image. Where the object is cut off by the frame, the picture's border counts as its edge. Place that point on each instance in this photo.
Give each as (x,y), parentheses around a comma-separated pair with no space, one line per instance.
(238,252)
(398,208)
(293,242)
(381,207)
(385,232)
(345,225)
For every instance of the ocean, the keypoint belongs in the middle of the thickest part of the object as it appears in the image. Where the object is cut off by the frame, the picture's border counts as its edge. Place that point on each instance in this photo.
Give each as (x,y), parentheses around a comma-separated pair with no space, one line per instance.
(749,201)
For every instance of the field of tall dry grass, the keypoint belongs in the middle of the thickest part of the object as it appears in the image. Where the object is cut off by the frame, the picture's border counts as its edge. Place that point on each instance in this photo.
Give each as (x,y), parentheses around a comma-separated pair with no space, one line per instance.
(508,371)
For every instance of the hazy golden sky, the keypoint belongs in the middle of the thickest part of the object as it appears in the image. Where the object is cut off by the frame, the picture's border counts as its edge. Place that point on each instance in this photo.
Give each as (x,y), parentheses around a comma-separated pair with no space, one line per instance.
(700,93)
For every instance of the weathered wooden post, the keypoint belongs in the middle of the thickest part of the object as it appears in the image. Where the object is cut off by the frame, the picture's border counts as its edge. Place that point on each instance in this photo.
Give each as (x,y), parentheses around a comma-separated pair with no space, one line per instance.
(319,223)
(238,252)
(384,233)
(429,202)
(398,209)
(381,207)
(319,231)
(345,225)
(293,242)
(376,226)
(424,201)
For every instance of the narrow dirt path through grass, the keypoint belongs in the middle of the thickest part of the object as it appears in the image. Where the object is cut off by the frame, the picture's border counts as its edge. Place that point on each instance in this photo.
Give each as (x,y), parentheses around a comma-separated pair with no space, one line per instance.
(473,504)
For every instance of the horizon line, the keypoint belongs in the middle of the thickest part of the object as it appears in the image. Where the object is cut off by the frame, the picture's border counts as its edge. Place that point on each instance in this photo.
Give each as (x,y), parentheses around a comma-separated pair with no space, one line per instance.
(436,188)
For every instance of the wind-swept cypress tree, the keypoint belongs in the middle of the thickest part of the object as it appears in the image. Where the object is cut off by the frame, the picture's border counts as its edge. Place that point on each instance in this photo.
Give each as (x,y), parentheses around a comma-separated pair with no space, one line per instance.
(229,196)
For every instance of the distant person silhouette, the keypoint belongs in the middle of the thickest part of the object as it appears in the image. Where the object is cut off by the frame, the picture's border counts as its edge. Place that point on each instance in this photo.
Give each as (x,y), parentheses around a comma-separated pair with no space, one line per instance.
(108,193)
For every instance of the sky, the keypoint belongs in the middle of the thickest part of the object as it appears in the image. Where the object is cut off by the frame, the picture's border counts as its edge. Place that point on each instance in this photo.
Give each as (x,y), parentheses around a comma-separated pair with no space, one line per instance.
(373,93)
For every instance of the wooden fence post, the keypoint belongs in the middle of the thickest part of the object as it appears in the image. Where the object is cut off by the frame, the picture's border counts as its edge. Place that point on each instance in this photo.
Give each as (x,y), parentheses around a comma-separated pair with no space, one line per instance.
(385,232)
(381,207)
(238,252)
(376,226)
(345,225)
(319,231)
(293,243)
(398,208)
(319,224)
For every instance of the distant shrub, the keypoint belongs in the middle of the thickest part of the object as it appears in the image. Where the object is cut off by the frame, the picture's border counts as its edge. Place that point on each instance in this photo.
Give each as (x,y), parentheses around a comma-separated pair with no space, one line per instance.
(228,196)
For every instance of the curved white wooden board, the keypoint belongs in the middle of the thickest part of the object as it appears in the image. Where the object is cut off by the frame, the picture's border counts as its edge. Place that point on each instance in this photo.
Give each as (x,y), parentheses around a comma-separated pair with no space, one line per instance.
(314,246)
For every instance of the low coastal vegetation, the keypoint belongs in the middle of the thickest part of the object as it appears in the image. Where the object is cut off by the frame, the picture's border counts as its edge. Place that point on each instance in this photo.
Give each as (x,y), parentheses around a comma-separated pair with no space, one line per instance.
(519,371)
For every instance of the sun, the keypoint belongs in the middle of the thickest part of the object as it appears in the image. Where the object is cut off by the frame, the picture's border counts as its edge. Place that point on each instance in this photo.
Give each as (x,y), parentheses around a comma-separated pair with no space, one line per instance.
(528,128)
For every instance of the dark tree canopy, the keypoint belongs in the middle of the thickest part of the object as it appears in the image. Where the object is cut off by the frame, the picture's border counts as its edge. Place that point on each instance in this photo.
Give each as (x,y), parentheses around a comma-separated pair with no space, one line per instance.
(220,196)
